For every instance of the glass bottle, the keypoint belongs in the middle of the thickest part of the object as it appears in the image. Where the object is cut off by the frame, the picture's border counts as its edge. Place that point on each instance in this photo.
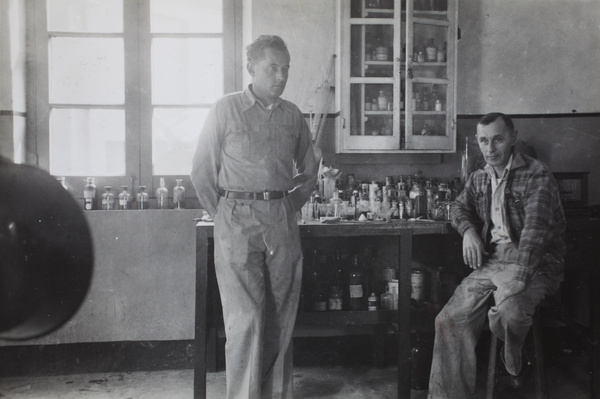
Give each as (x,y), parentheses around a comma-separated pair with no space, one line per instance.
(108,199)
(124,198)
(179,194)
(335,300)
(417,196)
(142,198)
(382,101)
(355,286)
(386,301)
(89,195)
(441,53)
(431,51)
(162,195)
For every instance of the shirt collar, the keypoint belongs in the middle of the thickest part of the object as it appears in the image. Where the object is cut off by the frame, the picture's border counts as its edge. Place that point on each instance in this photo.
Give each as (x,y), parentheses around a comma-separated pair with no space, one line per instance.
(490,169)
(250,99)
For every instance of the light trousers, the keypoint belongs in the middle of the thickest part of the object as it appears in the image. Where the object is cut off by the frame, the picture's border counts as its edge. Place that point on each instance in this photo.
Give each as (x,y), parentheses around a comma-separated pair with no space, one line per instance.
(459,324)
(258,264)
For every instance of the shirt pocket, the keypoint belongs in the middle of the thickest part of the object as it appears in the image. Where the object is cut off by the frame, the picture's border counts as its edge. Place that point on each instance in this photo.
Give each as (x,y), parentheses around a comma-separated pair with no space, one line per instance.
(286,141)
(514,200)
(237,141)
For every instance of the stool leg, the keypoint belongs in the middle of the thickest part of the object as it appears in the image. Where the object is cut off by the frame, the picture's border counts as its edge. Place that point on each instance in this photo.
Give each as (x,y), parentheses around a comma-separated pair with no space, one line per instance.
(491,372)
(541,384)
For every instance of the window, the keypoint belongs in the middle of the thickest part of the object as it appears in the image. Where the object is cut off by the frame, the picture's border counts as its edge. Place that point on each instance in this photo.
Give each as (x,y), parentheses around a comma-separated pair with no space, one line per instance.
(122,87)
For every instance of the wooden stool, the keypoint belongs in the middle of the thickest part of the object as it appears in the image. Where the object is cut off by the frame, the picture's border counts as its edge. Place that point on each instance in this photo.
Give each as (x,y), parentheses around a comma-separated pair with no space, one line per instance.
(541,384)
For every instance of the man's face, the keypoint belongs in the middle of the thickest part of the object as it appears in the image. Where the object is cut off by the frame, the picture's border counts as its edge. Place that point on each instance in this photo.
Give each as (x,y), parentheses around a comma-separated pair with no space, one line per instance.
(496,141)
(269,75)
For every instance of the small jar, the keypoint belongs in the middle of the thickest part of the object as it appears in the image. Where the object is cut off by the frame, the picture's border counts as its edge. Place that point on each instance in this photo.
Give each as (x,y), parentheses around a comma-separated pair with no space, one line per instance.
(372,302)
(124,198)
(89,195)
(438,105)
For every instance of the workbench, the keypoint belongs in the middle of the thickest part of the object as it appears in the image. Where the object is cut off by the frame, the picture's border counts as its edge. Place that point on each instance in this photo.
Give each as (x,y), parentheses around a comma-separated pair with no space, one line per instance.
(401,233)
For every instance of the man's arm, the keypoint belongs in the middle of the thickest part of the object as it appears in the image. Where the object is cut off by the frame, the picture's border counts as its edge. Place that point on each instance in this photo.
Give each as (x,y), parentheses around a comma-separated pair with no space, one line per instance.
(540,223)
(463,215)
(307,167)
(207,163)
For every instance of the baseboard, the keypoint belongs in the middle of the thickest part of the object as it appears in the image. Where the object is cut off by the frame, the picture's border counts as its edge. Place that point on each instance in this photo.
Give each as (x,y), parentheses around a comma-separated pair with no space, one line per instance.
(100,357)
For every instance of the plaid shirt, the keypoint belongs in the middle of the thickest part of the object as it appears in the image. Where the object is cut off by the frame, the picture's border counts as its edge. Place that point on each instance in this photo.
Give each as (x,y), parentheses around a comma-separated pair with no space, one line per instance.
(535,218)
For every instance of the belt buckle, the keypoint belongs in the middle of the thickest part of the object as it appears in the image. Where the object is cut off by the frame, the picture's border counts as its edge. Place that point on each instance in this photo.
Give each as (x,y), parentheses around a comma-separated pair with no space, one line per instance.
(266,195)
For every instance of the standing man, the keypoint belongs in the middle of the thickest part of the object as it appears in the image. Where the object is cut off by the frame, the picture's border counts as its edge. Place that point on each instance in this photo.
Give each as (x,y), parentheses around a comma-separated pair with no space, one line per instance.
(517,258)
(254,168)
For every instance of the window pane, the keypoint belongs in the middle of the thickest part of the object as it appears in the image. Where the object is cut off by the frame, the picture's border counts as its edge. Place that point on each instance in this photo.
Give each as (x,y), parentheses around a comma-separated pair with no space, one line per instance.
(87,142)
(187,71)
(174,135)
(99,16)
(86,70)
(186,16)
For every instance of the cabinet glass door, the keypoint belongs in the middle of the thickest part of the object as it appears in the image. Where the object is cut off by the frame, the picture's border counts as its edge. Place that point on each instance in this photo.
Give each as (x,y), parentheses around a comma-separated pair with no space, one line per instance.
(430,71)
(373,76)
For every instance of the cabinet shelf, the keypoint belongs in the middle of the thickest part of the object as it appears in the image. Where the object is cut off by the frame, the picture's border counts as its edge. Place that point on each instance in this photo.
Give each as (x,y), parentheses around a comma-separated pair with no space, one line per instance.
(345,317)
(387,113)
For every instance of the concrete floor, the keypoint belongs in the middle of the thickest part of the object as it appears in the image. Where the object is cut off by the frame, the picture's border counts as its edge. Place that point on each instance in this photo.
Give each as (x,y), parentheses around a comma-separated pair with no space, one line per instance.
(329,370)
(309,382)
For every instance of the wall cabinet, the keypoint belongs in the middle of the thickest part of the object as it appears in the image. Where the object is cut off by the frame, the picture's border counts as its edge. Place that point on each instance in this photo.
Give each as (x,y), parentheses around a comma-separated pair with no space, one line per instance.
(397,75)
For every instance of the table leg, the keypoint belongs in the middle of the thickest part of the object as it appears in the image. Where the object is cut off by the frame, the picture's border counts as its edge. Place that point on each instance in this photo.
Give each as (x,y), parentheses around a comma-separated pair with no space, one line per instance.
(595,336)
(404,327)
(201,308)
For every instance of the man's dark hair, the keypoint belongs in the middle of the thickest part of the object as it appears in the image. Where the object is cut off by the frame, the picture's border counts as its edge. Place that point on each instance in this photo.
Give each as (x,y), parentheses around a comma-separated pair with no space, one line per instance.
(493,116)
(255,51)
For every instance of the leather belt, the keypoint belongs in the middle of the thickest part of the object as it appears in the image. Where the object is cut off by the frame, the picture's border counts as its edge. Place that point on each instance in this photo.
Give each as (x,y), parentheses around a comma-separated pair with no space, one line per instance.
(262,196)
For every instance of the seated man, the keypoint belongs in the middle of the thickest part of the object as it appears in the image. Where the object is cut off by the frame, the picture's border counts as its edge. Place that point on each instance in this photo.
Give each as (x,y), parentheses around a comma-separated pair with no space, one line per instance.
(517,258)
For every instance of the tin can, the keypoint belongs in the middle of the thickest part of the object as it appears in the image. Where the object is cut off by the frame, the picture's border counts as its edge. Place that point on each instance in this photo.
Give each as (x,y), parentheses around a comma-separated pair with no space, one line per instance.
(393,288)
(417,285)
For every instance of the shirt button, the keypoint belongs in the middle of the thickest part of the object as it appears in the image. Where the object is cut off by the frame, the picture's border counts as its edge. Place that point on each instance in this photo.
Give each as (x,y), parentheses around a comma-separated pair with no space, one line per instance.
(497,209)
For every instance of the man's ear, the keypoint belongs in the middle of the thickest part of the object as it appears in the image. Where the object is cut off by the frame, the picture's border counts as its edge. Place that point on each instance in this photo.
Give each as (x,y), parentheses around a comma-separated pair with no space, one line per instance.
(250,68)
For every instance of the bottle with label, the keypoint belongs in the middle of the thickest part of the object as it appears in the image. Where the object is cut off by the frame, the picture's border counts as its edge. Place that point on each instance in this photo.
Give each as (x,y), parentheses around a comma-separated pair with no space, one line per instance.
(417,285)
(355,286)
(179,194)
(382,101)
(162,195)
(89,195)
(124,198)
(335,300)
(142,198)
(431,51)
(108,199)
(372,302)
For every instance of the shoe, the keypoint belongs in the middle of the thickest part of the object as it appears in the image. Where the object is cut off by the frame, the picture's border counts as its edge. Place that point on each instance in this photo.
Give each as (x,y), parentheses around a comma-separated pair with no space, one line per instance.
(516,381)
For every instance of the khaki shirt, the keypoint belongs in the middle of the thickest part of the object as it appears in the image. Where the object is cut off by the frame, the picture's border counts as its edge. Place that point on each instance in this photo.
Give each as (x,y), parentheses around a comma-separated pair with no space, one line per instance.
(245,146)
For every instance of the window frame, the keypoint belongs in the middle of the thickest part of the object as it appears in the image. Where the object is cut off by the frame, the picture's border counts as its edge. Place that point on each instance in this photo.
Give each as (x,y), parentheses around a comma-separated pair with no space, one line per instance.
(138,92)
